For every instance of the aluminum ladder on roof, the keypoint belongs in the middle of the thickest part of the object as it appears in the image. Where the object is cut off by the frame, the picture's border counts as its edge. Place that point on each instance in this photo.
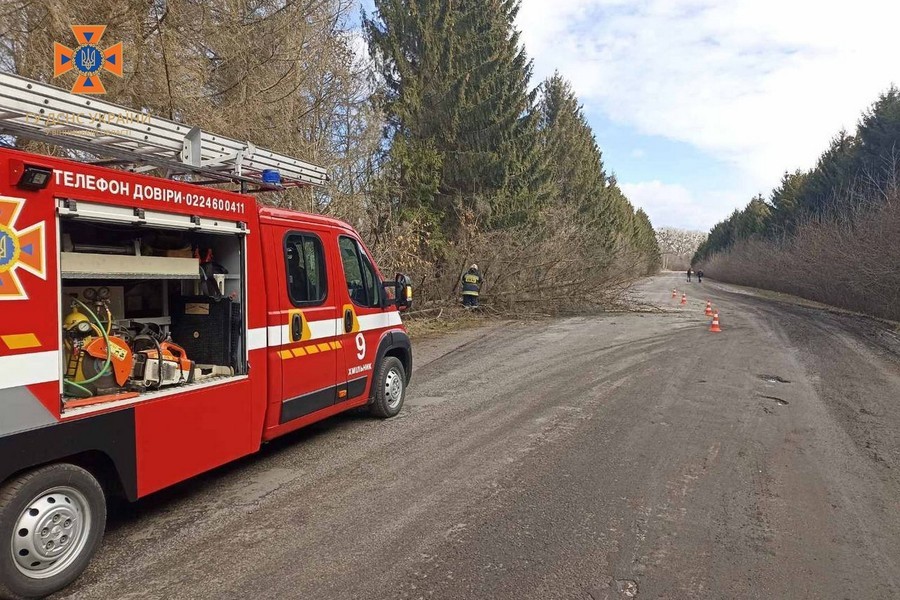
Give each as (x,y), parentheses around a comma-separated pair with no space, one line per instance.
(45,113)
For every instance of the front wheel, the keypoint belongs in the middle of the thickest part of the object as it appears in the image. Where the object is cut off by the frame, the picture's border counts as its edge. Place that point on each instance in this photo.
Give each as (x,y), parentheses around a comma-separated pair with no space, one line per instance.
(390,388)
(51,523)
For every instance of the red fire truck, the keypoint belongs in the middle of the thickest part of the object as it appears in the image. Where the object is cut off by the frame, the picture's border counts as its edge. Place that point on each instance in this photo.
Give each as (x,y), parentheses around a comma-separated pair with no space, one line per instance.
(152,328)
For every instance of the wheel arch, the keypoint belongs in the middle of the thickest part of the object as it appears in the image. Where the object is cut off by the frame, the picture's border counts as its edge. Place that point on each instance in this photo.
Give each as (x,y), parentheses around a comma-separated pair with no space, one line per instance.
(395,343)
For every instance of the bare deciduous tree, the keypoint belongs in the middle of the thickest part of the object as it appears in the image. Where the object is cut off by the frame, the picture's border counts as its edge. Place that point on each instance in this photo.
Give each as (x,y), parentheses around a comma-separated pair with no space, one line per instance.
(677,246)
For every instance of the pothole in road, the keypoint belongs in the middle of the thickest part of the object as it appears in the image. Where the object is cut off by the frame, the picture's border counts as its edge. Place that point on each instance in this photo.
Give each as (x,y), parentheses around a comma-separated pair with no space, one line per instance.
(780,401)
(773,379)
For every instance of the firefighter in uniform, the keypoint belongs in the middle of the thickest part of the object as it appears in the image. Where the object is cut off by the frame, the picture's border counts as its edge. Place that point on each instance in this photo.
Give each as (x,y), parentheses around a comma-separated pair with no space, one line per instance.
(471,284)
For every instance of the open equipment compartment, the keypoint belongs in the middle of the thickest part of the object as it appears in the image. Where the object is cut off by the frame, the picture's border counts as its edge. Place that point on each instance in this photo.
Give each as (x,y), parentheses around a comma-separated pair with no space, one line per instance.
(150,303)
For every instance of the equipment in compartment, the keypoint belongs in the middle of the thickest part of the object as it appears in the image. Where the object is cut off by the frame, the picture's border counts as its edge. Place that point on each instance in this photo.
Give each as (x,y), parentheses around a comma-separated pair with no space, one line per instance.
(212,274)
(132,246)
(204,326)
(103,358)
(159,362)
(97,360)
(141,334)
(116,297)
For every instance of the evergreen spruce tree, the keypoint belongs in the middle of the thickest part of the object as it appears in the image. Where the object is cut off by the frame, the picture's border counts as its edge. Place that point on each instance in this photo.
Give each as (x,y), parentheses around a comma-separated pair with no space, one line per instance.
(645,243)
(785,201)
(617,210)
(467,137)
(411,42)
(460,112)
(578,179)
(574,160)
(497,154)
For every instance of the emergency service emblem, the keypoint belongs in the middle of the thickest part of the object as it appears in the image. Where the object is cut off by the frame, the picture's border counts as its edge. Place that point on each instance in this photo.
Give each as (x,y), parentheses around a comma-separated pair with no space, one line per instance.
(88,59)
(18,250)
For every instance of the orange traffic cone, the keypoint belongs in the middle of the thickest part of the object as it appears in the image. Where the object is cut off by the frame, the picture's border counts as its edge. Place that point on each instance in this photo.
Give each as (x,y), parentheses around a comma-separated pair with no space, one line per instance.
(674,293)
(715,324)
(683,299)
(708,308)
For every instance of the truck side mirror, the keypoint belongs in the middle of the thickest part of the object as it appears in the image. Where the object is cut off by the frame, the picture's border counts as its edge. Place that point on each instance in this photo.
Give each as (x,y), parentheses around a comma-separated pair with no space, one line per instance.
(397,293)
(403,293)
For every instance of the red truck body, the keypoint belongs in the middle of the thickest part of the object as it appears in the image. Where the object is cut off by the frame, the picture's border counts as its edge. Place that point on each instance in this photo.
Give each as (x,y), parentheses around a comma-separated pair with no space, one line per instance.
(297,362)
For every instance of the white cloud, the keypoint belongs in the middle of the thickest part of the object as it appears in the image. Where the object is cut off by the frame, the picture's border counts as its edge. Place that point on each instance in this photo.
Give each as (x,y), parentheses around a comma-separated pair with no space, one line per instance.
(674,205)
(638,153)
(762,84)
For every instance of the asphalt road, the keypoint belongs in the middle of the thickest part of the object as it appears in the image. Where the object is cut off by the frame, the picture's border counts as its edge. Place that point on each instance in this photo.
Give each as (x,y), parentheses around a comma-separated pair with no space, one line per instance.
(618,456)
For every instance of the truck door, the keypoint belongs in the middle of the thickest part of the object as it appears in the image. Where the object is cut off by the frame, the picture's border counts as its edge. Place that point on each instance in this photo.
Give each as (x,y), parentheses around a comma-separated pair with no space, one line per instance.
(310,312)
(363,320)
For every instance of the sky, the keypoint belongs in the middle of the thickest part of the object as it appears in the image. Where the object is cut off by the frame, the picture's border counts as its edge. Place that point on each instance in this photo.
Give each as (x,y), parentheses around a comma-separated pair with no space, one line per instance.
(700,105)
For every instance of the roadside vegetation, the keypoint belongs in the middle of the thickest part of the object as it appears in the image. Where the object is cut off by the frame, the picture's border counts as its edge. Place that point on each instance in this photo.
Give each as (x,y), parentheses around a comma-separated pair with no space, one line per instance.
(442,151)
(829,234)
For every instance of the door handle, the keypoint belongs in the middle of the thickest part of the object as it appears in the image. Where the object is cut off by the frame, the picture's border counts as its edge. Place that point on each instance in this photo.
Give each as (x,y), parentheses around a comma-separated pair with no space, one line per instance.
(296,328)
(348,321)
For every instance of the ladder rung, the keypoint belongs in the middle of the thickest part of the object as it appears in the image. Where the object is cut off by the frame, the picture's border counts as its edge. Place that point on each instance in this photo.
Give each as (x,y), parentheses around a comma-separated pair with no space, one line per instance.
(172,165)
(30,108)
(109,139)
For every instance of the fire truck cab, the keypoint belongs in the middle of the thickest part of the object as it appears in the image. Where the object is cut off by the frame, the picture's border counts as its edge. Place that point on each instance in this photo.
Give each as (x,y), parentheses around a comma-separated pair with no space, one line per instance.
(152,329)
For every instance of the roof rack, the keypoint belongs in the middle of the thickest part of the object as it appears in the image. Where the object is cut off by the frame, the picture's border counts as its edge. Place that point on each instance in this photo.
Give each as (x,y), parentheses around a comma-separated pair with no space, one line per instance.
(141,142)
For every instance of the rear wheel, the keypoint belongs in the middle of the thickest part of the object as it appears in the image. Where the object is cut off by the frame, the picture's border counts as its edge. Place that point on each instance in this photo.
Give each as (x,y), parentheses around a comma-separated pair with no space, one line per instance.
(51,523)
(390,388)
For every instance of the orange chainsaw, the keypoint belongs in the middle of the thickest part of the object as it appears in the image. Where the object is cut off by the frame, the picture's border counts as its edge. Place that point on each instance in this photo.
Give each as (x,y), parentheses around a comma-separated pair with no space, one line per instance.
(159,362)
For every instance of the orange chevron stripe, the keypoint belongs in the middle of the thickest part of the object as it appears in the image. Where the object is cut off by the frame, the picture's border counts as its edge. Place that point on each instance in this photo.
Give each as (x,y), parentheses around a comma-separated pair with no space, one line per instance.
(19,341)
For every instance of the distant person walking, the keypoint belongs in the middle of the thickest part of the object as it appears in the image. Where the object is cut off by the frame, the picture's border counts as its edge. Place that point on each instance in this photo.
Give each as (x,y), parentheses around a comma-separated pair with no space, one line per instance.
(471,285)
(689,271)
(699,276)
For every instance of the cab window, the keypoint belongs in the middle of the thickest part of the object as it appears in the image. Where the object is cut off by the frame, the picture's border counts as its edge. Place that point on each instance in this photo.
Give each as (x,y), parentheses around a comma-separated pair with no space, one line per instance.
(305,264)
(362,281)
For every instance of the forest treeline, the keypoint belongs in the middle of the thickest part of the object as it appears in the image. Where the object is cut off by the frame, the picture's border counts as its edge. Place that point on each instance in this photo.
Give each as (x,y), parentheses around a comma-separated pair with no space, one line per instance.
(677,247)
(441,148)
(828,234)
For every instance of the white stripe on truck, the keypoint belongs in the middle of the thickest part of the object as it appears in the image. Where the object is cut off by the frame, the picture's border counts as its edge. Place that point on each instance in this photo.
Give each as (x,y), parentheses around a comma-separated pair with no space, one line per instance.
(278,335)
(256,338)
(379,321)
(28,369)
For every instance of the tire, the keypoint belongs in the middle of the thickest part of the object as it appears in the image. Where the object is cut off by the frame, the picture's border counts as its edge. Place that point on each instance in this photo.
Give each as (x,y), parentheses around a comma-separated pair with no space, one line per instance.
(40,512)
(390,388)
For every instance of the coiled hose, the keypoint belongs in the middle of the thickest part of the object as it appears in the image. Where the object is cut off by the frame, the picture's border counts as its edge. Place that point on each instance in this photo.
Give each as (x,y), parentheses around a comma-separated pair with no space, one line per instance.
(80,386)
